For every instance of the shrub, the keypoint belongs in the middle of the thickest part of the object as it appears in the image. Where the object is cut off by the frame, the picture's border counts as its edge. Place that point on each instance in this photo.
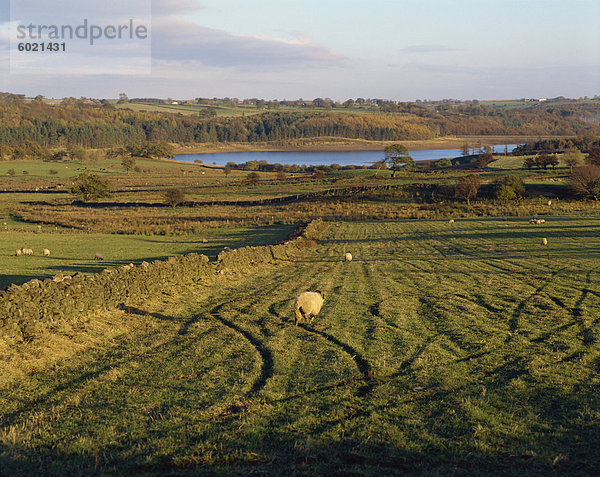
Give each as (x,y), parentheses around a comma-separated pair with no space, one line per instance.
(90,186)
(444,162)
(173,197)
(252,178)
(509,188)
(11,172)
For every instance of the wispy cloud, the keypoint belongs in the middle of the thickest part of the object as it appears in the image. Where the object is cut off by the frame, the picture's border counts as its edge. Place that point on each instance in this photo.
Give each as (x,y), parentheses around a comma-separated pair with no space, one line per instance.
(428,49)
(175,38)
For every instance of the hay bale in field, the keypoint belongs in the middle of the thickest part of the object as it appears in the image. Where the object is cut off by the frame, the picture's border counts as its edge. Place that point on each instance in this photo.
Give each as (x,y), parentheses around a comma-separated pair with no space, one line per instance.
(348,257)
(544,241)
(46,252)
(307,305)
(98,256)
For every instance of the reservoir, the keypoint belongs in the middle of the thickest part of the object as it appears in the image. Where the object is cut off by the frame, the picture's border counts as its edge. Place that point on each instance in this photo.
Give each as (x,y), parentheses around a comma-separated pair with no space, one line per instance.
(320,158)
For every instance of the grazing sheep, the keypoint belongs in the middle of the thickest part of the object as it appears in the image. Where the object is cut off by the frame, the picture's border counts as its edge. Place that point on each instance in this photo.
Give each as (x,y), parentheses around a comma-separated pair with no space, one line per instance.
(307,305)
(26,251)
(46,252)
(536,221)
(98,256)
(204,240)
(549,202)
(18,253)
(451,221)
(348,257)
(544,241)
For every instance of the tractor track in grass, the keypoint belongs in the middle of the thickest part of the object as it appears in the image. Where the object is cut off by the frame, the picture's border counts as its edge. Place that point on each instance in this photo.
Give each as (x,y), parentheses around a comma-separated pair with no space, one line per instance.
(576,313)
(266,367)
(514,319)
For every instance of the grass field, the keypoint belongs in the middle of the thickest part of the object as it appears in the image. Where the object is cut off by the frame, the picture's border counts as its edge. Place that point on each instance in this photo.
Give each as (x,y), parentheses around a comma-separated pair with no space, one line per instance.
(442,349)
(73,252)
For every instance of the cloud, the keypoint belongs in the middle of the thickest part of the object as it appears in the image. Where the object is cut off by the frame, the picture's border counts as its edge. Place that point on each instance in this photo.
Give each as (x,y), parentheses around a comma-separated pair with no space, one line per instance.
(174,7)
(428,49)
(175,38)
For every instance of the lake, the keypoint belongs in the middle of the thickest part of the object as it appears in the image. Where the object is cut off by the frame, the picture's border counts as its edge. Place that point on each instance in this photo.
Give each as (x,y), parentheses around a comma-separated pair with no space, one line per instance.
(319,158)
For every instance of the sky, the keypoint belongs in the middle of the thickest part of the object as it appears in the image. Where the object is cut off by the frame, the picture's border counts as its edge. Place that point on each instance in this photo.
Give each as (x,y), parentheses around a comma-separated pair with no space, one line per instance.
(283,49)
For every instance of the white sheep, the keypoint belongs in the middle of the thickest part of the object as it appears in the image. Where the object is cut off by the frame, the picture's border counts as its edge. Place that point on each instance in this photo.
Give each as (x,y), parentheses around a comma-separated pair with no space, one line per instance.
(98,256)
(348,257)
(544,241)
(307,305)
(549,202)
(26,251)
(451,221)
(46,252)
(18,253)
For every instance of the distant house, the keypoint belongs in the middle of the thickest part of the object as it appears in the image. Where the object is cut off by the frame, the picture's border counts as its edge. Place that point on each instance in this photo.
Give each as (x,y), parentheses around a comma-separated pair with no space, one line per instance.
(541,100)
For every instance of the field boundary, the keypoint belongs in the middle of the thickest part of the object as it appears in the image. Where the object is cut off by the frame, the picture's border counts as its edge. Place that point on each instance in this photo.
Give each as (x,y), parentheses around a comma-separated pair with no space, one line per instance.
(28,309)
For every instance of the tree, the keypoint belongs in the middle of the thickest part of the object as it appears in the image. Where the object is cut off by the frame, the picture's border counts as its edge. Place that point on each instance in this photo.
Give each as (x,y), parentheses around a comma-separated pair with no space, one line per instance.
(173,197)
(529,162)
(573,157)
(281,177)
(585,181)
(467,188)
(484,159)
(128,163)
(593,156)
(319,174)
(226,170)
(398,158)
(543,160)
(90,186)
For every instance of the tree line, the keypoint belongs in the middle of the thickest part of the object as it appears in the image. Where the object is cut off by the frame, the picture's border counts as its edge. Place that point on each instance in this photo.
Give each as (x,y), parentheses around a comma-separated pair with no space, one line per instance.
(78,123)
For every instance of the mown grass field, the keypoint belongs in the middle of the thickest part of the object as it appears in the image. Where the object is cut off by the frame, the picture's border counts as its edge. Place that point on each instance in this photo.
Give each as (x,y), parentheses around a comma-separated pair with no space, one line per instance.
(442,349)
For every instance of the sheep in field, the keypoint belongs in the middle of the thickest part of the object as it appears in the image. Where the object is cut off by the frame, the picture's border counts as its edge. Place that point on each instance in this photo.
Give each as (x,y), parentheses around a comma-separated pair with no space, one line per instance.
(26,251)
(451,221)
(544,241)
(46,252)
(18,253)
(98,256)
(348,257)
(307,305)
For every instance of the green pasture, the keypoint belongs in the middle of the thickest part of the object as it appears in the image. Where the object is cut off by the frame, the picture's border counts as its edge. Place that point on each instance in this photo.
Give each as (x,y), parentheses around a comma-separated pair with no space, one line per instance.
(73,252)
(441,349)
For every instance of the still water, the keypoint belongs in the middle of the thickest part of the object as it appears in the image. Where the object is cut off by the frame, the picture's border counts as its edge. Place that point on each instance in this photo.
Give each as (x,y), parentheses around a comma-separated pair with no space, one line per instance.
(343,158)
